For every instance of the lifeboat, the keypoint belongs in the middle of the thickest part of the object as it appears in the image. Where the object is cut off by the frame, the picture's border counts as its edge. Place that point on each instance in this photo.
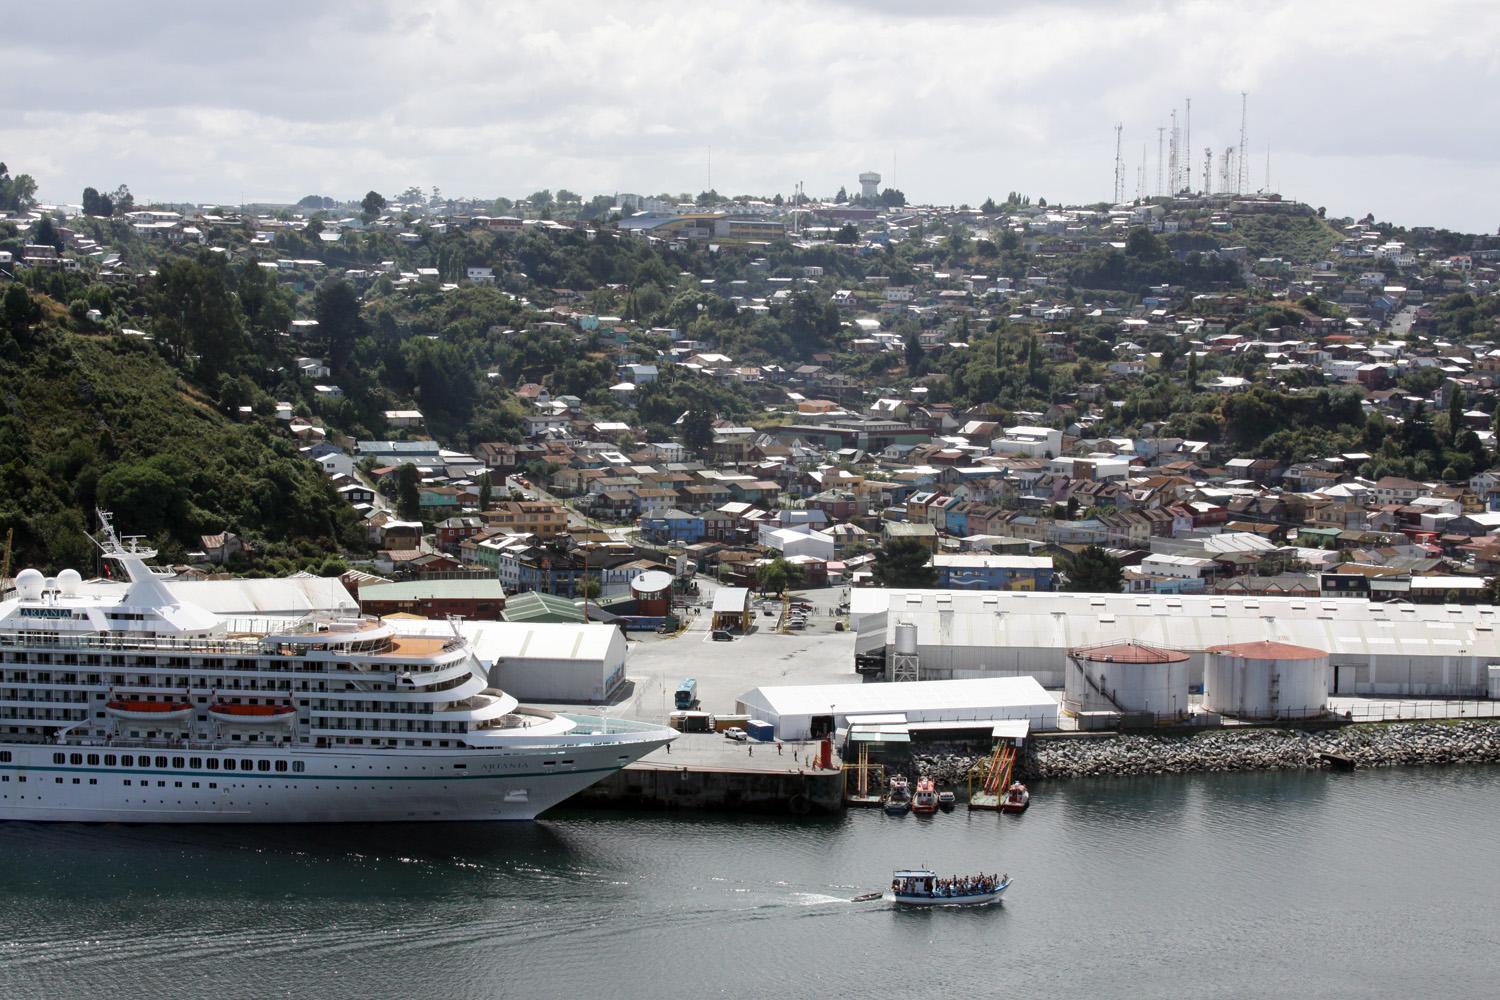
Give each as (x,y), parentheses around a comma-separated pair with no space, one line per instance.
(925,802)
(1016,798)
(251,715)
(158,712)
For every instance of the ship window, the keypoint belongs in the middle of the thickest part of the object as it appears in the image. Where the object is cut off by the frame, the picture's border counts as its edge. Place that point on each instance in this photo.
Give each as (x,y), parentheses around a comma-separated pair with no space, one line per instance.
(58,758)
(229,763)
(75,758)
(161,762)
(178,762)
(110,759)
(195,762)
(93,758)
(298,766)
(4,756)
(213,763)
(128,760)
(265,765)
(247,765)
(281,765)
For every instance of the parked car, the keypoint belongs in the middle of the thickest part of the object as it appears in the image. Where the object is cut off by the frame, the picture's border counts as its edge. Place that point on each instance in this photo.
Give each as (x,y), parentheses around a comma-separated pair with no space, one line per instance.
(737,734)
(723,635)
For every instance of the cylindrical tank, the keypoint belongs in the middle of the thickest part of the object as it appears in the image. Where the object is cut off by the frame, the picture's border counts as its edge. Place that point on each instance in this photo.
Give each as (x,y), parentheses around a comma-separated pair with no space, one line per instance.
(1127,677)
(1265,680)
(906,638)
(652,591)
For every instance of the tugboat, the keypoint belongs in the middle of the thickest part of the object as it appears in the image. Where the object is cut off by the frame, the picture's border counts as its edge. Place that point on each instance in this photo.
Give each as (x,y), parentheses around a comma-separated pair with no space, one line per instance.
(898,799)
(1017,798)
(925,802)
(947,800)
(923,887)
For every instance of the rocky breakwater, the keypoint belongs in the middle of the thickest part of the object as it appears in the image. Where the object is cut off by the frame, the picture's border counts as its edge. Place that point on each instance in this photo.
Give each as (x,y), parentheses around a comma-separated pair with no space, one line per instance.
(1387,745)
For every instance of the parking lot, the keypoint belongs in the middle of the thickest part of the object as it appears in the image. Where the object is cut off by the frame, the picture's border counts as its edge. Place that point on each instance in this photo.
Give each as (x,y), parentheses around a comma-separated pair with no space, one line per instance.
(816,654)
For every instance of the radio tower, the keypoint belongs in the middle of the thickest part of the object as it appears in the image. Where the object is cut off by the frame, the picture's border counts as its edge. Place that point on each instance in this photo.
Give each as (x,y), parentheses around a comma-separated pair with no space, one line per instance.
(1119,166)
(1187,146)
(1242,180)
(1160,132)
(1208,170)
(1140,177)
(1172,186)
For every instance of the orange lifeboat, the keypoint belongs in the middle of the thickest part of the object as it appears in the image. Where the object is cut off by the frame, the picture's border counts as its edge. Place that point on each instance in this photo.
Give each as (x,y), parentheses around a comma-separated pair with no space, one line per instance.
(134,710)
(251,715)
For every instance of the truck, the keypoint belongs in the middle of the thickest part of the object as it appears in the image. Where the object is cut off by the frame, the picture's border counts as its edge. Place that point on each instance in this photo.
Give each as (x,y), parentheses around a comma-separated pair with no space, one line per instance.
(687,695)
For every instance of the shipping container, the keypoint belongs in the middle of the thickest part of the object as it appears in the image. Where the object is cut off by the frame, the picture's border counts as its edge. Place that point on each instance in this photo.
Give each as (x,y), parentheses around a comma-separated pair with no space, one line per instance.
(760,730)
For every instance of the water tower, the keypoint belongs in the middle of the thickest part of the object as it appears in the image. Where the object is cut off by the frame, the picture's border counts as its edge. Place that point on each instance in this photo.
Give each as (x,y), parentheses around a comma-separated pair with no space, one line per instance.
(869,184)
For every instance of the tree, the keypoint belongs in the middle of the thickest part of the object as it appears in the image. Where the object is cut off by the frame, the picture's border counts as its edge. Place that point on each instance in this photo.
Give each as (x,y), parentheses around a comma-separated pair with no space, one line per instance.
(1455,414)
(408,497)
(19,311)
(914,353)
(16,193)
(778,575)
(841,197)
(194,312)
(486,491)
(1095,571)
(847,234)
(372,206)
(1143,244)
(892,198)
(904,563)
(337,310)
(988,207)
(97,204)
(698,430)
(122,199)
(46,233)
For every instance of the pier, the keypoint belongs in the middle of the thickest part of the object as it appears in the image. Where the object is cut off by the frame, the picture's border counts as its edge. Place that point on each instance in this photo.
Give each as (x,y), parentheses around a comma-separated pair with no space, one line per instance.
(707,771)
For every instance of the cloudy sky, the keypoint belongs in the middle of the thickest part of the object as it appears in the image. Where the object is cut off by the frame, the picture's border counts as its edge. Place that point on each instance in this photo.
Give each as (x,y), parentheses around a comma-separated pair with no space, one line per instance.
(1372,106)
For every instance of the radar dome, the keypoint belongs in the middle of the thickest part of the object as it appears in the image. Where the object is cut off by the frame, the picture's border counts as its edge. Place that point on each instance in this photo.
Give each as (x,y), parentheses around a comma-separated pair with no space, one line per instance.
(69,582)
(29,583)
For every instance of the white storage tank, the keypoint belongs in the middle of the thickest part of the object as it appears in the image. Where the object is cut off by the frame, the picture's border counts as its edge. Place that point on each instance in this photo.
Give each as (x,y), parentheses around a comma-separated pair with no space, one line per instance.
(906,639)
(1127,677)
(1266,680)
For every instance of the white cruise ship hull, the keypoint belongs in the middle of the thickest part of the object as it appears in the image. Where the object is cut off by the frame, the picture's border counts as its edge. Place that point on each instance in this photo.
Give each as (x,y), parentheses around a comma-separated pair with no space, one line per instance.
(369,786)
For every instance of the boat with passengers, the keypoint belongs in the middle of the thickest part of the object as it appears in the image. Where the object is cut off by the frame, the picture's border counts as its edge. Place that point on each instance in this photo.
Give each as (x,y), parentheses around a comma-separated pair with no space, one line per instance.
(924,887)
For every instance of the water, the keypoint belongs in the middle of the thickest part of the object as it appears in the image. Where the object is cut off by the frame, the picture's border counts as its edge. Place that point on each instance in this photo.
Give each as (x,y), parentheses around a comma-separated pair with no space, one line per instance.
(1367,885)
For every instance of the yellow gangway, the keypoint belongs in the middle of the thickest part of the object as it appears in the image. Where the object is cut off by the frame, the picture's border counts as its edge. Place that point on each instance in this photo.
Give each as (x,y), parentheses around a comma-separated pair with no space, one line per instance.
(993,778)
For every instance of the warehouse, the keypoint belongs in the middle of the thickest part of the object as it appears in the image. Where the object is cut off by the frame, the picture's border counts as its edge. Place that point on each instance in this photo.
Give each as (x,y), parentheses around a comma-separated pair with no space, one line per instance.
(543,662)
(1373,648)
(810,710)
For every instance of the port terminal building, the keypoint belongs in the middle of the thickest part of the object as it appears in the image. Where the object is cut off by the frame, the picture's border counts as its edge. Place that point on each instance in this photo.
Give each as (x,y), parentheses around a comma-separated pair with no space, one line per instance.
(1372,647)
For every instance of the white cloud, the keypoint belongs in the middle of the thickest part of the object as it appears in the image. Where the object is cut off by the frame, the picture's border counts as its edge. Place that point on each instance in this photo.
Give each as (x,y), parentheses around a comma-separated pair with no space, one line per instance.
(1366,107)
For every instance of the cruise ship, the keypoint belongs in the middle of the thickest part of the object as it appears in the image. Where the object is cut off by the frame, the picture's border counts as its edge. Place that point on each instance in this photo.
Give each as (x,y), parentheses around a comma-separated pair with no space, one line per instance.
(141,708)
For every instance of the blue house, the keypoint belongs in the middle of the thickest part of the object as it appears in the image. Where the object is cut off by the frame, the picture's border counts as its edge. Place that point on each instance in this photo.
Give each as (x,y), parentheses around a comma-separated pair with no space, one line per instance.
(663,527)
(979,571)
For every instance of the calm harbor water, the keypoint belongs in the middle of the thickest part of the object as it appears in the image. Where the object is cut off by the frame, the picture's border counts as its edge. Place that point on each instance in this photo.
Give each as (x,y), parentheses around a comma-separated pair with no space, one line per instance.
(1366,885)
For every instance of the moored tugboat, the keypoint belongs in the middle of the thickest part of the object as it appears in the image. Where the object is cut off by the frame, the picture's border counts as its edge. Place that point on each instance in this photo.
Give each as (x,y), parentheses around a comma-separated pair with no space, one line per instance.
(925,801)
(1017,798)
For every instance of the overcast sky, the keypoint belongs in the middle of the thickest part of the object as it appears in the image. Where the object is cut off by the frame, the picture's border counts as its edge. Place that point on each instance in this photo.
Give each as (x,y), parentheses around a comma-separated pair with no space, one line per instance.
(1371,106)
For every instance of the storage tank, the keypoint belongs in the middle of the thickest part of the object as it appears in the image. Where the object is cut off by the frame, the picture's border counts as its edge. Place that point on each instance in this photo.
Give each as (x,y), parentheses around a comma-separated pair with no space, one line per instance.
(652,591)
(906,639)
(1265,680)
(1127,677)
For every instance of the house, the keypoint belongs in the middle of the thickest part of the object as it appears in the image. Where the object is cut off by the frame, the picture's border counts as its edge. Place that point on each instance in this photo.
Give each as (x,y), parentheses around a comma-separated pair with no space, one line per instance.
(983,571)
(672,525)
(403,418)
(222,547)
(543,518)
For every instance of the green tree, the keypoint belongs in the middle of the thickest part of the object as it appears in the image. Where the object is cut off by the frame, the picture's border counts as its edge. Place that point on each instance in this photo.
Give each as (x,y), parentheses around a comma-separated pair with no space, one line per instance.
(892,198)
(1143,244)
(841,197)
(1095,571)
(698,431)
(408,496)
(778,575)
(372,205)
(1455,413)
(97,204)
(122,200)
(195,312)
(847,234)
(914,353)
(19,311)
(905,563)
(486,491)
(337,310)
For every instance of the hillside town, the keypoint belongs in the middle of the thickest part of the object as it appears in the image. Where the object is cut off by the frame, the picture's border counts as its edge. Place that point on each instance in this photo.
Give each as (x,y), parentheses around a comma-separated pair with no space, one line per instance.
(882,438)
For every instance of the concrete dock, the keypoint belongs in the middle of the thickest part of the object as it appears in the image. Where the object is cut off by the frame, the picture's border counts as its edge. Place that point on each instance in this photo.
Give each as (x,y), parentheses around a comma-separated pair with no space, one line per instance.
(708,771)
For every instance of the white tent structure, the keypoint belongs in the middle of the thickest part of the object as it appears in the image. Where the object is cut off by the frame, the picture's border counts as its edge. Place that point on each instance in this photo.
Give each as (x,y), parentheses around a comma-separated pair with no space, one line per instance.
(797,711)
(542,661)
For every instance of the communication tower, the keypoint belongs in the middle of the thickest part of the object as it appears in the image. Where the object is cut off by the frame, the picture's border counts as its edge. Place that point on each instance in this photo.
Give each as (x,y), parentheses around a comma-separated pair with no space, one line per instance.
(1160,133)
(1242,177)
(1119,166)
(1172,174)
(1187,146)
(1208,170)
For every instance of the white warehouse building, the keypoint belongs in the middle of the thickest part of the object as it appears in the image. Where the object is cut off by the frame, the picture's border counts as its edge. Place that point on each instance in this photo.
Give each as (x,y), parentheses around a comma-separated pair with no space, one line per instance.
(1429,650)
(801,711)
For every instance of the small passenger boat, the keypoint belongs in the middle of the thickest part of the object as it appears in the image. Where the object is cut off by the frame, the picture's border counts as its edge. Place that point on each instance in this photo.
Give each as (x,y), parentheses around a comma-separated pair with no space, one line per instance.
(898,798)
(925,801)
(251,715)
(947,800)
(923,887)
(135,710)
(1017,798)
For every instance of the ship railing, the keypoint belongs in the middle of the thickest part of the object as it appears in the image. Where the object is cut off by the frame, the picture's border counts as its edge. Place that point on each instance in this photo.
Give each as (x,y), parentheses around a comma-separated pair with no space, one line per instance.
(64,640)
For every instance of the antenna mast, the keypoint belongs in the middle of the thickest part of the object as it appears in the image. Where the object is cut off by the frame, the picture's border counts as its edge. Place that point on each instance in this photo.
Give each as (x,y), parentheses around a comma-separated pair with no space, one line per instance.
(1172,155)
(1243,178)
(1119,166)
(1160,132)
(1208,170)
(1187,146)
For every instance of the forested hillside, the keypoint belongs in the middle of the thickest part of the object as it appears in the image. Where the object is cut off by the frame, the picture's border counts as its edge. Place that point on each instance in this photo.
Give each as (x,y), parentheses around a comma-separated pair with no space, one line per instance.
(91,420)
